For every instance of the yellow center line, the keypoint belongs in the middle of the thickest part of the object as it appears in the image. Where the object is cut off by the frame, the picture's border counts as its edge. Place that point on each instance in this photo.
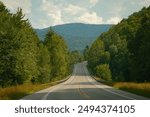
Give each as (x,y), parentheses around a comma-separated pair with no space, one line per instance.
(83,94)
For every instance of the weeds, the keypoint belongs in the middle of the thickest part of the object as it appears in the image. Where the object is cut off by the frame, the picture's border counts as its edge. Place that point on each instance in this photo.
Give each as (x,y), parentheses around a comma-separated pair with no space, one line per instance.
(17,92)
(142,89)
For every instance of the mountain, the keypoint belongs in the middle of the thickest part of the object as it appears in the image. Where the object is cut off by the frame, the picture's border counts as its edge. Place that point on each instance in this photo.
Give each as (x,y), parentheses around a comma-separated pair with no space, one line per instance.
(77,35)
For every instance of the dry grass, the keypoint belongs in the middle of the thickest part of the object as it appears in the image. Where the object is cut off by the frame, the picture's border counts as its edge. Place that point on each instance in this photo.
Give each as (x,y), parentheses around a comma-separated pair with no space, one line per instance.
(142,89)
(17,92)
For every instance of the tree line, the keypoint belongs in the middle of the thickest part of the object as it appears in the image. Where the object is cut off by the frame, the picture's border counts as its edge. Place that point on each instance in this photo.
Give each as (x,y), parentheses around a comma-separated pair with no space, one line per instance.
(123,53)
(24,58)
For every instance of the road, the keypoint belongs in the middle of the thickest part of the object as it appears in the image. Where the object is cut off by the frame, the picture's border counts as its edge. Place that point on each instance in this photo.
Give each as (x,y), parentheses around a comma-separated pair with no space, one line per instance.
(81,86)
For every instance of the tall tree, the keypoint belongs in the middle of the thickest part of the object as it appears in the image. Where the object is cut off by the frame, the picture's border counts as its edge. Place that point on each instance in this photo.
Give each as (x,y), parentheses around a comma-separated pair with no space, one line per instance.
(128,46)
(18,48)
(44,64)
(58,52)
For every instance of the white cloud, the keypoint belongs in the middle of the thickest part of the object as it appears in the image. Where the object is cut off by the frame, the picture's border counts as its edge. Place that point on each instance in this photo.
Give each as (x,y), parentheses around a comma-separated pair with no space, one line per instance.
(145,3)
(56,17)
(14,4)
(93,2)
(114,20)
(73,9)
(43,1)
(61,13)
(53,12)
(91,18)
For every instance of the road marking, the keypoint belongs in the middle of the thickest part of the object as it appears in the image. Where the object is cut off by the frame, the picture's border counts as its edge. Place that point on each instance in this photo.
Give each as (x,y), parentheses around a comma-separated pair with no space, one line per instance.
(86,72)
(58,86)
(83,94)
(51,90)
(112,91)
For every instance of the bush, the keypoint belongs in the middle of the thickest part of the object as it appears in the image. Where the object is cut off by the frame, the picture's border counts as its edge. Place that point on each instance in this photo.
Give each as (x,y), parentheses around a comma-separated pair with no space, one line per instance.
(103,72)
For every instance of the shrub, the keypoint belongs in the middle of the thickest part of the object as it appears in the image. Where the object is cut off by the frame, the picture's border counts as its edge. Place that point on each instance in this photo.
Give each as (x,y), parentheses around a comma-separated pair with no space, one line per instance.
(103,72)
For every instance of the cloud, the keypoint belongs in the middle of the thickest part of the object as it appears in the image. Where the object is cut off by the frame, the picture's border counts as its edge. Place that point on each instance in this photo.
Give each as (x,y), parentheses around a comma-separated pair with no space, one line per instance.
(91,18)
(93,2)
(60,13)
(45,13)
(43,1)
(145,3)
(74,10)
(53,12)
(113,20)
(14,4)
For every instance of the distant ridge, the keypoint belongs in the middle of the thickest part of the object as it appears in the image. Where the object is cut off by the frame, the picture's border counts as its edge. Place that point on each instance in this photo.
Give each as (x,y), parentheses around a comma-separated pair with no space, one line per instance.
(77,35)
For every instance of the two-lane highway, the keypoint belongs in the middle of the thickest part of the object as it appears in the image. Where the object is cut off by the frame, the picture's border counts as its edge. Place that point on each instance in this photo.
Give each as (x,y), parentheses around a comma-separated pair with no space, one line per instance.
(81,86)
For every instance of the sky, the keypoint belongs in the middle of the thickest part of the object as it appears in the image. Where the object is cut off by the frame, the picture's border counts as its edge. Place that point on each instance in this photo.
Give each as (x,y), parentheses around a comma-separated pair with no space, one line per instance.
(45,13)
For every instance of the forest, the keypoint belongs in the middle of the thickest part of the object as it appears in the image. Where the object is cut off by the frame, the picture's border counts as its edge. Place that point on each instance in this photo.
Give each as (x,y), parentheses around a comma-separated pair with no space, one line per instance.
(26,59)
(123,53)
(120,54)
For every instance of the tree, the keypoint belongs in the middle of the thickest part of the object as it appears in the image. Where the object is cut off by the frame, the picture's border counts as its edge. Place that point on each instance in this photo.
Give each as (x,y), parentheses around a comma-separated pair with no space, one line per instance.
(103,72)
(44,64)
(95,52)
(18,49)
(128,46)
(85,52)
(75,57)
(58,52)
(141,57)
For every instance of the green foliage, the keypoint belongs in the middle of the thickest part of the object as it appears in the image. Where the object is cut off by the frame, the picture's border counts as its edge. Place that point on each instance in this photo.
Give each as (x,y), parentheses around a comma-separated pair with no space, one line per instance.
(127,47)
(77,35)
(105,58)
(75,57)
(98,60)
(18,48)
(44,64)
(95,52)
(58,52)
(85,52)
(140,53)
(23,58)
(103,72)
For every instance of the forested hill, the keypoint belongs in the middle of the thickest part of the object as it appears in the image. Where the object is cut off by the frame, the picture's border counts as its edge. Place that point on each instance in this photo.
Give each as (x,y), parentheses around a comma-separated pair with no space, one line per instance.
(77,35)
(123,53)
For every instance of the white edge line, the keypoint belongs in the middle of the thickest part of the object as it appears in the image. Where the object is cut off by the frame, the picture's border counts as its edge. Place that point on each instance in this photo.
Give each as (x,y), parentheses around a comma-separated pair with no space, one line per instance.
(107,89)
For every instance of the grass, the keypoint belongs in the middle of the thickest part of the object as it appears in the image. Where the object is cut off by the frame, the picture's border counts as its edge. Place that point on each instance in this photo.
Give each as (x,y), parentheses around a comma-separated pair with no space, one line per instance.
(142,89)
(17,92)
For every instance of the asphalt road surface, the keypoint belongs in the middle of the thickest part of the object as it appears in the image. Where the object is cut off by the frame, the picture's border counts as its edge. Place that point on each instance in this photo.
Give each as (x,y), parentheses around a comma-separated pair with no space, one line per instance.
(81,86)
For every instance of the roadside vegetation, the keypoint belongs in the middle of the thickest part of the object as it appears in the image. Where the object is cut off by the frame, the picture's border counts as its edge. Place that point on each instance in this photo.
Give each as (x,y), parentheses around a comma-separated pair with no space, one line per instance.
(123,51)
(122,54)
(142,89)
(17,92)
(28,64)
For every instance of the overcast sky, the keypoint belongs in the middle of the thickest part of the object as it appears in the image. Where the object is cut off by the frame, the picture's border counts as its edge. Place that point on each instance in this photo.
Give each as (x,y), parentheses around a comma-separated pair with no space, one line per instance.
(45,13)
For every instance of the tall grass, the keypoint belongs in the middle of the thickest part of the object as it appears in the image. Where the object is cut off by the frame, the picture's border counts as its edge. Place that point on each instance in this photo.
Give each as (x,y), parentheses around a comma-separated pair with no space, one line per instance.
(142,89)
(17,92)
